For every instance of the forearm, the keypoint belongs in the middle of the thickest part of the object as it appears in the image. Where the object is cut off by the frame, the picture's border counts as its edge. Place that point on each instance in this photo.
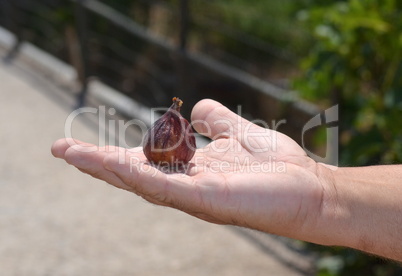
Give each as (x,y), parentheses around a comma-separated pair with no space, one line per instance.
(363,209)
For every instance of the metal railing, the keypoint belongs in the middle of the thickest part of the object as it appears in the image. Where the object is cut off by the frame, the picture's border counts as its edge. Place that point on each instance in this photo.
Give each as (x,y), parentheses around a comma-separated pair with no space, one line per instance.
(99,41)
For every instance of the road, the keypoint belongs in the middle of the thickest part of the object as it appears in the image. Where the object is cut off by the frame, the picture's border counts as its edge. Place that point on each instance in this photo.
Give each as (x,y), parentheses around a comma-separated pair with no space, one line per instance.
(54,220)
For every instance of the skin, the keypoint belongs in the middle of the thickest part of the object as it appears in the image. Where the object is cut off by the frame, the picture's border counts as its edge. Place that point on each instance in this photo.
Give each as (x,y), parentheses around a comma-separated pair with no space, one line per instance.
(261,179)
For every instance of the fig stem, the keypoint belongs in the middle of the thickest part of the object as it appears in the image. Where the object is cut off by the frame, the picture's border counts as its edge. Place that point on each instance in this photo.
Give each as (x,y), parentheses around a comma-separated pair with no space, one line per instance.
(177,103)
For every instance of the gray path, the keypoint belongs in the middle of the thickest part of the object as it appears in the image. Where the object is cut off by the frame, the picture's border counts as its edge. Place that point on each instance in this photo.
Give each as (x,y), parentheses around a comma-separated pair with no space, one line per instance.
(55,220)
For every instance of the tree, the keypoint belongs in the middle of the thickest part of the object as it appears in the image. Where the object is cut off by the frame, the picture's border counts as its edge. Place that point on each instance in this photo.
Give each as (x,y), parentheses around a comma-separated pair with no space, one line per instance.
(356,62)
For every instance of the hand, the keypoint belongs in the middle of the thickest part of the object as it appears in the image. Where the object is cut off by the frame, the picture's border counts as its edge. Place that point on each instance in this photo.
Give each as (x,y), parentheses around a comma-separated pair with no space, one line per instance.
(247,176)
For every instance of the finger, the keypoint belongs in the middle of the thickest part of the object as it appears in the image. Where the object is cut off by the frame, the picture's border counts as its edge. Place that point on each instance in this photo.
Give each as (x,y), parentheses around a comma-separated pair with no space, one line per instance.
(91,162)
(60,146)
(215,121)
(212,119)
(175,190)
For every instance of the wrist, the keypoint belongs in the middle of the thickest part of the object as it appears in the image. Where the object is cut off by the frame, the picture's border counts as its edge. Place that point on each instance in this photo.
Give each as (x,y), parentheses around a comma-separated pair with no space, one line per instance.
(334,225)
(361,208)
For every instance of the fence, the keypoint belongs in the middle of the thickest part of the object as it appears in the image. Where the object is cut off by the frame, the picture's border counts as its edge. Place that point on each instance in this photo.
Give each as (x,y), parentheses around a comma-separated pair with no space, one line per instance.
(99,41)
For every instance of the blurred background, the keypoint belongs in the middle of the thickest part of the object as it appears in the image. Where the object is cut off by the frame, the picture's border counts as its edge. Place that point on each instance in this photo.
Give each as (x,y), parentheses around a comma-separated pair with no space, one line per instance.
(278,60)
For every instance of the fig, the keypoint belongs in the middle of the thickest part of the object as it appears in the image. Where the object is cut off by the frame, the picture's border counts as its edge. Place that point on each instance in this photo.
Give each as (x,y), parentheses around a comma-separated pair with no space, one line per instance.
(170,141)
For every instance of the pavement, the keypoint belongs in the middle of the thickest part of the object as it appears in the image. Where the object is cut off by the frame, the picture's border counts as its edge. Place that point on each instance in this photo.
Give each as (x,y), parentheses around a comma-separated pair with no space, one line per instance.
(55,220)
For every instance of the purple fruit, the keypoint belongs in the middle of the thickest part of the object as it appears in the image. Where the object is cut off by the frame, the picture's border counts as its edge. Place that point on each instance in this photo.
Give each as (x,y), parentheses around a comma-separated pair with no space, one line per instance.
(170,141)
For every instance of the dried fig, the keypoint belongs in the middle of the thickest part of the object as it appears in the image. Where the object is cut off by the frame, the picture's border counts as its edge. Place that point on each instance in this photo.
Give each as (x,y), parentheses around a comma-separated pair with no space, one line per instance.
(170,141)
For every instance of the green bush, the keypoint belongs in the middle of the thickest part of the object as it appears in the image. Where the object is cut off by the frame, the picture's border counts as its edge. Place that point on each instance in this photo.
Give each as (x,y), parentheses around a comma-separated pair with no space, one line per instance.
(356,62)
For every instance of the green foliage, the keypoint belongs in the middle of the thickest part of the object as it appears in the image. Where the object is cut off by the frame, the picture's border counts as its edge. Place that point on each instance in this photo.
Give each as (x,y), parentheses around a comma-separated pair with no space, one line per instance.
(272,22)
(263,19)
(356,61)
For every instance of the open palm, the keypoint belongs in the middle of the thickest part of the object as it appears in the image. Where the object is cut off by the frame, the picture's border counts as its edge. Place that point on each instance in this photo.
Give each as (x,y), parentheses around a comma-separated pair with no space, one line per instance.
(247,176)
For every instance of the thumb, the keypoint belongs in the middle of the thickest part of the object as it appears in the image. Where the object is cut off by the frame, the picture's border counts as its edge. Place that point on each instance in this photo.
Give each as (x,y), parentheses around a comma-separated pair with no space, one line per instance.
(210,118)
